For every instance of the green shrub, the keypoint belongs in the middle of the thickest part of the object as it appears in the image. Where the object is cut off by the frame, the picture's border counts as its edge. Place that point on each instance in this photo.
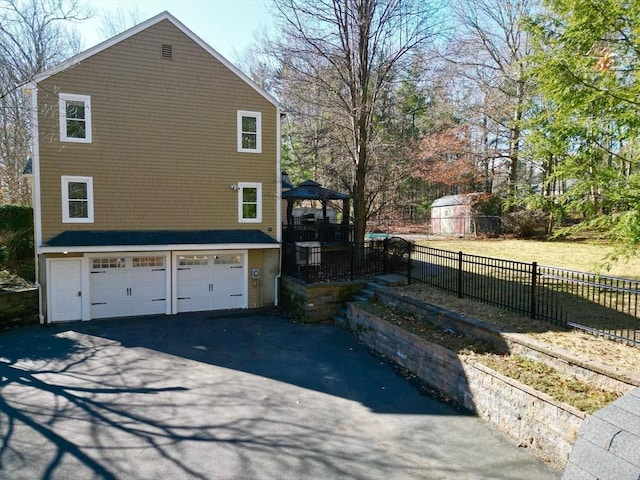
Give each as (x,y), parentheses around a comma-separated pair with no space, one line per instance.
(525,223)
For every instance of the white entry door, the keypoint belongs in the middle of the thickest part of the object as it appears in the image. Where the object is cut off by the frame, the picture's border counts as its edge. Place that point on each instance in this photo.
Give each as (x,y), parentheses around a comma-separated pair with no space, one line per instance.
(210,281)
(65,289)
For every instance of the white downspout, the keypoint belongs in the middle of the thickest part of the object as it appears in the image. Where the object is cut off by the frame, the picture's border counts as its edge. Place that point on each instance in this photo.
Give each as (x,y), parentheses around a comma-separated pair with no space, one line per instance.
(31,89)
(276,290)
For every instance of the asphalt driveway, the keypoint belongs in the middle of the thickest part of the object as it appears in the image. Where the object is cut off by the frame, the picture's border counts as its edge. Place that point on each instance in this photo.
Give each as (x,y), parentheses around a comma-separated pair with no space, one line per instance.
(209,396)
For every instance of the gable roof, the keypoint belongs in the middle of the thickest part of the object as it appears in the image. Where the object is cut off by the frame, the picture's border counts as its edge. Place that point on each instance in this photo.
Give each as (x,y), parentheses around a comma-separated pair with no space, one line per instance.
(143,26)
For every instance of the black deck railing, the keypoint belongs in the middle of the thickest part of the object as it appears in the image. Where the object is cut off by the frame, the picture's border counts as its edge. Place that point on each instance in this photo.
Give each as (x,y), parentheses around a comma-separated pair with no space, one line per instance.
(330,263)
(601,304)
(336,233)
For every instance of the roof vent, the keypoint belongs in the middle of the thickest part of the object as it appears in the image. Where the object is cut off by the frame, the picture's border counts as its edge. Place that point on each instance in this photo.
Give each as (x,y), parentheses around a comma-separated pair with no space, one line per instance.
(167,51)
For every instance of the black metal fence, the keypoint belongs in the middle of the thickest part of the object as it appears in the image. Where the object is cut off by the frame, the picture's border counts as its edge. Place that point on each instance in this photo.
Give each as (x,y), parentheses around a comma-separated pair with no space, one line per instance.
(600,304)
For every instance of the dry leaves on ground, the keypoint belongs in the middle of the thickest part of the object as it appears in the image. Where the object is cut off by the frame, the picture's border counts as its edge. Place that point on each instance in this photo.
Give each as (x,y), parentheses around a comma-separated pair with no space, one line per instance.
(585,346)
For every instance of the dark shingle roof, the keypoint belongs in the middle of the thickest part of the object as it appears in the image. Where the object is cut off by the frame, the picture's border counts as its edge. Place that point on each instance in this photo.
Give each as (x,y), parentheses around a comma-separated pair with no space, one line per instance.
(157,237)
(310,190)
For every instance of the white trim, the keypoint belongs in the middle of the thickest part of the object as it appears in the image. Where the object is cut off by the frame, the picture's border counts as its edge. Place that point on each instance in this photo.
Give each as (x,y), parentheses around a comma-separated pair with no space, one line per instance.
(258,117)
(63,98)
(32,90)
(278,177)
(151,248)
(174,274)
(64,186)
(143,26)
(276,279)
(258,187)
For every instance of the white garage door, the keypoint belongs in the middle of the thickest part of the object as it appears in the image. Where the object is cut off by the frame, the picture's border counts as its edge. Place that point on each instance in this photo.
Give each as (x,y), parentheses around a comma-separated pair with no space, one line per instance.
(125,286)
(211,281)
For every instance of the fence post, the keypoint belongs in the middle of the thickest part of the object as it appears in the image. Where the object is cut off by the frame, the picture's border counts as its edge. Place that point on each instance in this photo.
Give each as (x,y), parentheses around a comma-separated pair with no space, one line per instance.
(352,261)
(460,274)
(385,252)
(409,248)
(534,278)
(307,270)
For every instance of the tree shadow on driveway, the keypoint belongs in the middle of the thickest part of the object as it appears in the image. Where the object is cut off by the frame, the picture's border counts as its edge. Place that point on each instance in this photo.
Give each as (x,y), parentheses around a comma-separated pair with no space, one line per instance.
(223,396)
(316,357)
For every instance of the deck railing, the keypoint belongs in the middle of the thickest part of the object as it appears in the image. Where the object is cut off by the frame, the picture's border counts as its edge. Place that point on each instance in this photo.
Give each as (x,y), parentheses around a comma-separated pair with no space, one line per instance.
(336,233)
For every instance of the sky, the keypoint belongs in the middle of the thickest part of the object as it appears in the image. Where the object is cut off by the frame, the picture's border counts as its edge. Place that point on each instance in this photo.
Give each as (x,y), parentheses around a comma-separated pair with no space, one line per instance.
(226,25)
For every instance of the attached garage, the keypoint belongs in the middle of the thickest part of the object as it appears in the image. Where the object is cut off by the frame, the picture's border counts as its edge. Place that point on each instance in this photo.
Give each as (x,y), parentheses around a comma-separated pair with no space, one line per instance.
(122,286)
(210,281)
(98,274)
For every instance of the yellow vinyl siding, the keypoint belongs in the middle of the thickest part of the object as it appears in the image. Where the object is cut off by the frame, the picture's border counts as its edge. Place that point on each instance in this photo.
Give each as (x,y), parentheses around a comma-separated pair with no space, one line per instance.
(164,149)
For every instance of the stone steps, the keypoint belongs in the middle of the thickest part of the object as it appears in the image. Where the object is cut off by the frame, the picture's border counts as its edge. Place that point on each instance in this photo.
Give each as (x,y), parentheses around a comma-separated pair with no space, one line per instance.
(368,293)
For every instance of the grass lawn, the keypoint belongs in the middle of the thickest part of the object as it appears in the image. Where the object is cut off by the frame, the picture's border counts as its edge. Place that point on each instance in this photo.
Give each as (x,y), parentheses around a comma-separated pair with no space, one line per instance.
(586,257)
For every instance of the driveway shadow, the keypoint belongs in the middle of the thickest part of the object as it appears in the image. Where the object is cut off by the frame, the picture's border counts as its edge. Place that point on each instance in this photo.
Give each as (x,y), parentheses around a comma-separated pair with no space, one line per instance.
(318,357)
(209,396)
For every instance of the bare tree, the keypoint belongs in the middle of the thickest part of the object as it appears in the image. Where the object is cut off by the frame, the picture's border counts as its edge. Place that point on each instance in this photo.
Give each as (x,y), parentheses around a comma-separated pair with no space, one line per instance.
(34,35)
(118,20)
(350,51)
(491,50)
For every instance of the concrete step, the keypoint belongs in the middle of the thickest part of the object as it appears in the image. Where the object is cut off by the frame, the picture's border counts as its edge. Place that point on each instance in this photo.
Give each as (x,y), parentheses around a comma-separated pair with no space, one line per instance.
(358,297)
(391,280)
(339,319)
(368,292)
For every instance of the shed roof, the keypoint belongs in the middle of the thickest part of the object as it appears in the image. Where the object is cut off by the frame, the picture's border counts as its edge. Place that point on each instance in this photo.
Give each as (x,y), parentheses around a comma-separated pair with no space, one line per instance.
(310,190)
(450,200)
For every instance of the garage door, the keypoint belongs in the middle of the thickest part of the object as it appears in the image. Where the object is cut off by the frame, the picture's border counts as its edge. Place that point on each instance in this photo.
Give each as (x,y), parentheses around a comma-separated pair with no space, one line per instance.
(125,286)
(212,281)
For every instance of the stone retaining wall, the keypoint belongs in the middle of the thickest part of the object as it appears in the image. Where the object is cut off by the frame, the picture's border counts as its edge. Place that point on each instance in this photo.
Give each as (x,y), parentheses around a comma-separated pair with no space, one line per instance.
(534,419)
(515,343)
(316,302)
(18,308)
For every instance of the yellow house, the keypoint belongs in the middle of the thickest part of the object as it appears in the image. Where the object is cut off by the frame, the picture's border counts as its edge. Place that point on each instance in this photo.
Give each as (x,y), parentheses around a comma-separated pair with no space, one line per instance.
(156,178)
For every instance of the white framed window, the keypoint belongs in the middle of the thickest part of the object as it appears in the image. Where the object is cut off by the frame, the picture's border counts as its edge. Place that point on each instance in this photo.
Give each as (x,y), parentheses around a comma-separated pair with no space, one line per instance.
(249,202)
(249,131)
(192,260)
(75,118)
(102,263)
(77,199)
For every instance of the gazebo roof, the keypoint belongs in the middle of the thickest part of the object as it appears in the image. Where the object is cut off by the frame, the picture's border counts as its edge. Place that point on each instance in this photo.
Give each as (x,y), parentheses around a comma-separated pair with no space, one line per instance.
(310,190)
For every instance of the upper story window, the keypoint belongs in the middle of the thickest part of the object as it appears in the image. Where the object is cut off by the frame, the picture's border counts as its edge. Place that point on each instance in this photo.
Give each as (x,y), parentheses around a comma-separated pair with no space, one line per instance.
(249,202)
(77,199)
(75,118)
(249,131)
